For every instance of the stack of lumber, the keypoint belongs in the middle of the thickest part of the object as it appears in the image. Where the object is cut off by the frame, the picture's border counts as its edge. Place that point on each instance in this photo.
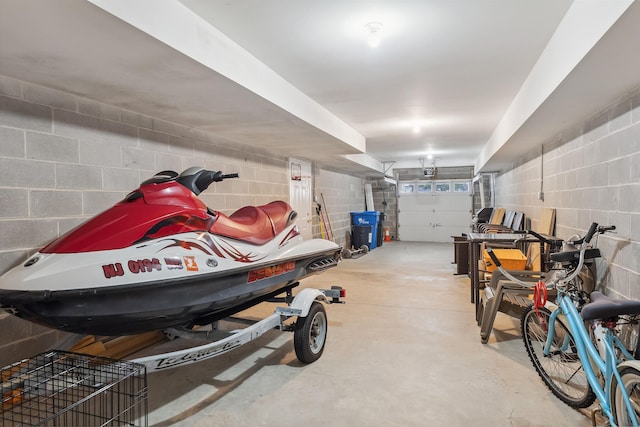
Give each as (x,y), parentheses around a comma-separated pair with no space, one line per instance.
(117,347)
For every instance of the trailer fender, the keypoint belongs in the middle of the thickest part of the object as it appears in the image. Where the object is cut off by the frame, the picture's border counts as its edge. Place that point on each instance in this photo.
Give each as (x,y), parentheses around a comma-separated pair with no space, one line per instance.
(303,300)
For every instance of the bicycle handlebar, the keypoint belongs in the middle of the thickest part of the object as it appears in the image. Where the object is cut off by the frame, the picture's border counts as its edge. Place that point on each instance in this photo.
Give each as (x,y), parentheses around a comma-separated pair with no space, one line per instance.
(586,239)
(544,239)
(506,274)
(537,236)
(595,228)
(591,232)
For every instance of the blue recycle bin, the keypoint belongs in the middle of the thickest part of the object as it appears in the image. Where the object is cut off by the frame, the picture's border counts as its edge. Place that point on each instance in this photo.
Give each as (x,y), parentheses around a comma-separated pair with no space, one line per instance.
(371,218)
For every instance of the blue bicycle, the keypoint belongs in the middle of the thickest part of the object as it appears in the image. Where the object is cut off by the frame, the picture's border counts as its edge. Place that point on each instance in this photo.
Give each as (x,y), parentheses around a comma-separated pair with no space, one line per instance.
(576,344)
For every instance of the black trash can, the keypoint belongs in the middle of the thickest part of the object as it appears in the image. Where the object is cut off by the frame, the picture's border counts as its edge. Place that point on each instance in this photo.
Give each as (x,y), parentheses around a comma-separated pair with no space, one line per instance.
(380,231)
(361,235)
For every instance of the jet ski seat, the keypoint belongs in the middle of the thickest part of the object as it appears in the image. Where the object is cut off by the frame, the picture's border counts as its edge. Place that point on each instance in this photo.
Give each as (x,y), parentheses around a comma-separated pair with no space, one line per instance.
(280,214)
(255,224)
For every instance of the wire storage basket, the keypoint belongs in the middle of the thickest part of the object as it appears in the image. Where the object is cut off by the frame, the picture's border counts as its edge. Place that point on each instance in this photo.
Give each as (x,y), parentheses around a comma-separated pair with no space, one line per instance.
(60,388)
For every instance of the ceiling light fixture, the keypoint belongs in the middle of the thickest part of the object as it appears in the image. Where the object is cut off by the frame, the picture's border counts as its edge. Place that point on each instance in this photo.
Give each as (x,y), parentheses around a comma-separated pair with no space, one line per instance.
(416,129)
(374,29)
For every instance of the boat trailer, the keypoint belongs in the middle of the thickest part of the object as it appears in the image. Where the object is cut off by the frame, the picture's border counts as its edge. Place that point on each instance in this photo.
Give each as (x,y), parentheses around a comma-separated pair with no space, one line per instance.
(310,332)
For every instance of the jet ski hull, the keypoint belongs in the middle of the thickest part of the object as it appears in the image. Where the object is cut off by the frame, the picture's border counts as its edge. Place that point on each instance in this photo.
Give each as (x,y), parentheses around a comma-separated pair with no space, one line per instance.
(184,301)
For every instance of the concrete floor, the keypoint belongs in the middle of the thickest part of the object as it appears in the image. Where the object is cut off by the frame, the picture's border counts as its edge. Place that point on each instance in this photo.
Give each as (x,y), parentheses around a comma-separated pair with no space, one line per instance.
(404,350)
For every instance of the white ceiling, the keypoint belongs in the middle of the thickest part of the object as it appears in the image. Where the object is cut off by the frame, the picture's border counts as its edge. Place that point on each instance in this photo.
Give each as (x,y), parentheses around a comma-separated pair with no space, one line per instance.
(452,67)
(486,80)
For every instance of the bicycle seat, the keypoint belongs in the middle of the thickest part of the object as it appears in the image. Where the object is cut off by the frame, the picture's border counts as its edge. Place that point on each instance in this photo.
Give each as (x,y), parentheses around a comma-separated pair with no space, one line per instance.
(574,256)
(602,307)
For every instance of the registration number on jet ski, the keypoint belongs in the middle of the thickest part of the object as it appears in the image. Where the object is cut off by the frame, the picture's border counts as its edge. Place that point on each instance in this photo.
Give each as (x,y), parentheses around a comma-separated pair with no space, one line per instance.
(271,271)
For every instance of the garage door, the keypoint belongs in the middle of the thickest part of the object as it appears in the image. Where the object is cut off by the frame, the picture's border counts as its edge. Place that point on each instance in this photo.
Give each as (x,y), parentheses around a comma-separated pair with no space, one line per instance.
(433,211)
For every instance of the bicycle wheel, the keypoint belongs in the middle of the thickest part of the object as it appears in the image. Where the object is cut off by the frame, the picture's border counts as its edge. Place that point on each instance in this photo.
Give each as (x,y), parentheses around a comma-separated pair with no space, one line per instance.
(561,370)
(631,381)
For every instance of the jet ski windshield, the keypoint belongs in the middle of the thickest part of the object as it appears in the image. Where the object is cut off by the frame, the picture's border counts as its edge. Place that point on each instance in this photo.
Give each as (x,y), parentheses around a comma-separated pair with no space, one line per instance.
(160,177)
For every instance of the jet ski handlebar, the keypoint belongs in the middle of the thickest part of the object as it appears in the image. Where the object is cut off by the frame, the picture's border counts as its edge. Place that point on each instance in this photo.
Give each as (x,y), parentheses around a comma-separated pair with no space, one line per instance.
(202,178)
(196,179)
(229,175)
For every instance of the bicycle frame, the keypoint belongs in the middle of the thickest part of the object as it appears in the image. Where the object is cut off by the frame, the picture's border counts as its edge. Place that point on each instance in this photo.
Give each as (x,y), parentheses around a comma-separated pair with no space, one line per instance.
(588,353)
(593,361)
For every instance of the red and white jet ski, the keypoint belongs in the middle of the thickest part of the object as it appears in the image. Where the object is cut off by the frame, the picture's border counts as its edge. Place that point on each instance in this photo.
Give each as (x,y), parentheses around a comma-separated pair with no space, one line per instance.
(160,259)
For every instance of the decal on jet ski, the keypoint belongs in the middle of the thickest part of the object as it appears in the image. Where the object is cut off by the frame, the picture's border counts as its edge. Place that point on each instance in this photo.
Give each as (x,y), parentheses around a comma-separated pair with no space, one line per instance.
(191,263)
(211,246)
(144,265)
(113,270)
(274,270)
(293,233)
(173,263)
(234,253)
(185,244)
(177,224)
(218,247)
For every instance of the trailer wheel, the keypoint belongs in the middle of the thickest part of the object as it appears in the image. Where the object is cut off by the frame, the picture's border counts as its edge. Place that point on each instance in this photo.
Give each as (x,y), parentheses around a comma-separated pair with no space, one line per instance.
(311,334)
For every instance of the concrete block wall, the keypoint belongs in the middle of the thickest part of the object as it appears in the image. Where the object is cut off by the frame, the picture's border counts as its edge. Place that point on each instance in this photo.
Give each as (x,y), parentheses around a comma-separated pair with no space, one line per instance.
(343,194)
(590,173)
(65,158)
(386,193)
(346,194)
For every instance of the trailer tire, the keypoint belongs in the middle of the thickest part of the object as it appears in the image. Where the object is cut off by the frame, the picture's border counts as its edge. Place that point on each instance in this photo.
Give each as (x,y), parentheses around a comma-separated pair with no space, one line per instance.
(310,334)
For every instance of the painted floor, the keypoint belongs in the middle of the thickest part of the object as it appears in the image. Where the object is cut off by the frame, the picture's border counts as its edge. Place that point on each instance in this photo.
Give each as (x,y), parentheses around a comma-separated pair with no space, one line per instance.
(404,350)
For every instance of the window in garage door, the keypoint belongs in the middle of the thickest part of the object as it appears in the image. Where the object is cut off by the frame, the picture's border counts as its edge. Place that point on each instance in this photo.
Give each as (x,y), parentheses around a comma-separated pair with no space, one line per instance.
(433,211)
